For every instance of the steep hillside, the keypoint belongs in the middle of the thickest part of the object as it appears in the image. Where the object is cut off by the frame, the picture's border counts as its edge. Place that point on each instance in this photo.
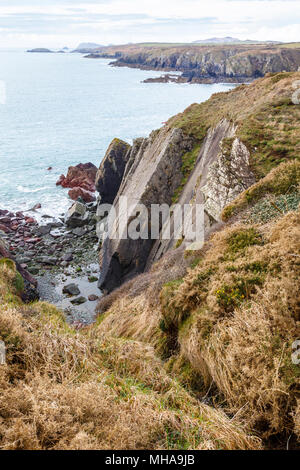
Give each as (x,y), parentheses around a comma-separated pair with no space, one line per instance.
(224,319)
(207,63)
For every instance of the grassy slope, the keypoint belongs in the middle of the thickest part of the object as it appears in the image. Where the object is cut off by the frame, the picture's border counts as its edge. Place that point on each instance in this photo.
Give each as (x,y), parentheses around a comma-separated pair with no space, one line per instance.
(223,320)
(63,389)
(267,121)
(156,48)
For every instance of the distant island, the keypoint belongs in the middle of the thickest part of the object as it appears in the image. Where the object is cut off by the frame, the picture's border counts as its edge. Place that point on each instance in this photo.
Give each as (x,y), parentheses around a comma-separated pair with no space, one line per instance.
(86,47)
(40,49)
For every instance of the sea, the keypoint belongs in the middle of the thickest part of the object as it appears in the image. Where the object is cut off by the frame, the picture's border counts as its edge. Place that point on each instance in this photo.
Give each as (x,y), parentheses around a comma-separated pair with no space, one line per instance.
(58,110)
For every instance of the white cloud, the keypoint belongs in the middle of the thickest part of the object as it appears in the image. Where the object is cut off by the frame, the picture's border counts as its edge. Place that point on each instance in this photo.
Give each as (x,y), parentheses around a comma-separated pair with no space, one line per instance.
(55,23)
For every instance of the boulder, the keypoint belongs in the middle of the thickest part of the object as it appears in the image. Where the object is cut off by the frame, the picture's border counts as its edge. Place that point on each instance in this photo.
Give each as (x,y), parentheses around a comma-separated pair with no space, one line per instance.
(79,176)
(36,207)
(68,257)
(79,301)
(4,228)
(77,215)
(44,229)
(71,289)
(79,231)
(87,196)
(93,298)
(111,171)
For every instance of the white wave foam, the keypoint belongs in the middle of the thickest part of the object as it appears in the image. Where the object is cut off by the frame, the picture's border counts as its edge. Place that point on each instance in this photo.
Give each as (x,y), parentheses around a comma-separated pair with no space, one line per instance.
(28,190)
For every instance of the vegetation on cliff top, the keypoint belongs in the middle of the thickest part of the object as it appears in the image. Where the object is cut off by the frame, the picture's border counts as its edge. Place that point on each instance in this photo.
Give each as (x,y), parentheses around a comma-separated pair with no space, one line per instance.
(267,121)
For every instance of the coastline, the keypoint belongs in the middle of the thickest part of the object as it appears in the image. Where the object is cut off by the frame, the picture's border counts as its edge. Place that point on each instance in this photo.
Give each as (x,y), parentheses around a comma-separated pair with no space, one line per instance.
(51,256)
(175,75)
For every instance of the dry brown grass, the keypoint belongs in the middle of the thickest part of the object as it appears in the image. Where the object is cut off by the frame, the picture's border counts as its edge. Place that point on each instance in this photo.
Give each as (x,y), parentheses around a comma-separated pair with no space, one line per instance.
(243,344)
(238,342)
(62,389)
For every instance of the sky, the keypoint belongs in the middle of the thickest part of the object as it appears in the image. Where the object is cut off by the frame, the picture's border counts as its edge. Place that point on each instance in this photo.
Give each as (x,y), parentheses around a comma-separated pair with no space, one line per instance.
(59,23)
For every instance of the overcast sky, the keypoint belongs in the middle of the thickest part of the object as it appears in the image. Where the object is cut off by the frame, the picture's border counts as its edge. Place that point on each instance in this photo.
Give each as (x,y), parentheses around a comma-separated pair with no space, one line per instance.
(58,23)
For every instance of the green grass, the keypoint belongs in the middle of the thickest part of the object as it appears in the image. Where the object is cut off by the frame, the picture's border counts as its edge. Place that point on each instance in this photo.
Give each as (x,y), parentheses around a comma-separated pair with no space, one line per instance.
(271,196)
(269,127)
(239,241)
(292,45)
(188,164)
(271,135)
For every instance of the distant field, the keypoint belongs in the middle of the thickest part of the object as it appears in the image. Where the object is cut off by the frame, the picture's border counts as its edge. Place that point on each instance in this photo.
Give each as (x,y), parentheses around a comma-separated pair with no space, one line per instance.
(177,44)
(163,44)
(292,45)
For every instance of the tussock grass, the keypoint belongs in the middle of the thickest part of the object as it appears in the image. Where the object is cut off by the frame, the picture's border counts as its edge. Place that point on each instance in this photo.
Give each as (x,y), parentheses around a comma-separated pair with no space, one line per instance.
(65,389)
(225,328)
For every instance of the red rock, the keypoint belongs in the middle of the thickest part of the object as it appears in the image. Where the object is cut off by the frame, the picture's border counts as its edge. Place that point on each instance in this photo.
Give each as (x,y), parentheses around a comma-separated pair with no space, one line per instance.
(87,196)
(37,206)
(80,176)
(60,180)
(20,215)
(32,240)
(30,220)
(5,220)
(4,228)
(49,168)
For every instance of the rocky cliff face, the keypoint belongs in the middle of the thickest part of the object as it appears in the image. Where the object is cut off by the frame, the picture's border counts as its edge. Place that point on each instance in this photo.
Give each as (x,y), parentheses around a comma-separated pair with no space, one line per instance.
(111,171)
(153,173)
(205,156)
(215,63)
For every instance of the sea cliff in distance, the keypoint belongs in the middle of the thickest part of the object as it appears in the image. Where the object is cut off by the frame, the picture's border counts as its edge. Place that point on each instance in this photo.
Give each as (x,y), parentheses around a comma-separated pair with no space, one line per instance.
(206,63)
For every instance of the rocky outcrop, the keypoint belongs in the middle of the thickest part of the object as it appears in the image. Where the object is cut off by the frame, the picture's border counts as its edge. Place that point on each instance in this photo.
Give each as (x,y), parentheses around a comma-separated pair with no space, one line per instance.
(81,178)
(77,216)
(152,175)
(111,171)
(220,173)
(203,159)
(30,283)
(227,177)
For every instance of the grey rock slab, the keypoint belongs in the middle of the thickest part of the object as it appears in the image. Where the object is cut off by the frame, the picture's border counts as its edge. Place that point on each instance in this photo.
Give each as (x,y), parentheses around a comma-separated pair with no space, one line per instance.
(71,289)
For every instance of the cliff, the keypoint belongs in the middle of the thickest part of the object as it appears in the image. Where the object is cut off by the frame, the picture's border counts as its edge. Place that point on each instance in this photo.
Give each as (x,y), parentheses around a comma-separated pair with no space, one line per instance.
(207,155)
(210,63)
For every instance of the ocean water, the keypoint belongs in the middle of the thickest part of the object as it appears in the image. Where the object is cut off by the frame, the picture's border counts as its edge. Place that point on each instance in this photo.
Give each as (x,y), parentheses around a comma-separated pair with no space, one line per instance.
(62,109)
